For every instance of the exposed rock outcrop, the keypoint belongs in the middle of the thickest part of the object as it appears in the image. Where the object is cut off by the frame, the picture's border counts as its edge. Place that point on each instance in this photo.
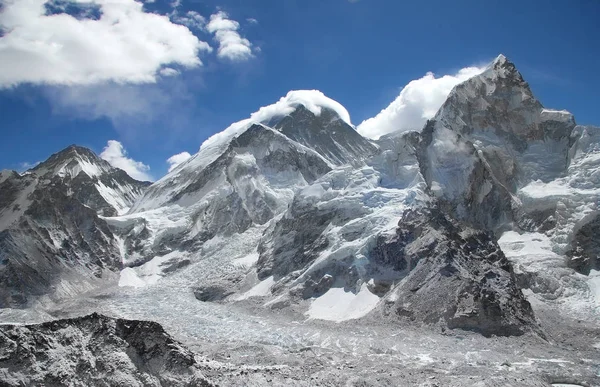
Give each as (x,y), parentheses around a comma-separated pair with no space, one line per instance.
(95,350)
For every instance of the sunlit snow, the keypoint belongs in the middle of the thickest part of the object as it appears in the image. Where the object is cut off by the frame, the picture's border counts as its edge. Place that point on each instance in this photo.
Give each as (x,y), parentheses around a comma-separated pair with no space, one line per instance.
(339,305)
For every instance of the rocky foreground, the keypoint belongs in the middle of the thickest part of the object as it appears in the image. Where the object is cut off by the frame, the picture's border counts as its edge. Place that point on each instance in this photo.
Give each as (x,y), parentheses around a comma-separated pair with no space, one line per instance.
(95,350)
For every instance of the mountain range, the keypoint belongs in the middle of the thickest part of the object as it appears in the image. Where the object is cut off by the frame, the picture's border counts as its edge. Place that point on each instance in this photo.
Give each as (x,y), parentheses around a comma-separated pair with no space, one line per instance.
(484,221)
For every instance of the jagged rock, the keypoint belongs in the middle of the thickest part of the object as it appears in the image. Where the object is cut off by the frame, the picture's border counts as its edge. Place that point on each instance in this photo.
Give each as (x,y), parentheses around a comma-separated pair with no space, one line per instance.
(90,180)
(454,275)
(584,254)
(327,134)
(212,293)
(95,350)
(490,138)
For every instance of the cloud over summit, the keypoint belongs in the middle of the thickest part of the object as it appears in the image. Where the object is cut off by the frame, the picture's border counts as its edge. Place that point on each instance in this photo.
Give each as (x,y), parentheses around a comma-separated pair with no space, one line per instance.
(418,101)
(116,155)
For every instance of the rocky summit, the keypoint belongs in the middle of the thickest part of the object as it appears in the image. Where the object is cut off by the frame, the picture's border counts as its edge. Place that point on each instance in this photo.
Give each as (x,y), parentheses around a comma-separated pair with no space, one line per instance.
(290,250)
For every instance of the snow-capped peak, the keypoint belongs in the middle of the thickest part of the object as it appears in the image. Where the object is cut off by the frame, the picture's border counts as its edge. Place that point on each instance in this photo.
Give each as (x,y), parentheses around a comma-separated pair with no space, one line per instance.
(71,161)
(502,67)
(500,59)
(313,100)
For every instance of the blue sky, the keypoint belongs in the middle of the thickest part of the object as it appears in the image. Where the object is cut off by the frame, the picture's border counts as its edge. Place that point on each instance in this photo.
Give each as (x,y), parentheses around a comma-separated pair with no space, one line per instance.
(359,53)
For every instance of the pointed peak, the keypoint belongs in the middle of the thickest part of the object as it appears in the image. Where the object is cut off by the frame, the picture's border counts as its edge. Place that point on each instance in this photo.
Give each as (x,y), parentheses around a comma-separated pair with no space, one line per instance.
(502,67)
(72,160)
(500,60)
(311,100)
(73,150)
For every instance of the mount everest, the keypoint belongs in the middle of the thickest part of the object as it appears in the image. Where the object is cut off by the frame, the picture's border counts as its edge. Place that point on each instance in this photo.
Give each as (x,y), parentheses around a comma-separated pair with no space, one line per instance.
(484,221)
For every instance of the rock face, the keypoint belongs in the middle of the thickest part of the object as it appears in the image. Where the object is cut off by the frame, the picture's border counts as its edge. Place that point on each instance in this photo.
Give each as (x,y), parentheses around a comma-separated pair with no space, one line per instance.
(327,134)
(452,274)
(490,138)
(52,241)
(95,350)
(90,180)
(584,255)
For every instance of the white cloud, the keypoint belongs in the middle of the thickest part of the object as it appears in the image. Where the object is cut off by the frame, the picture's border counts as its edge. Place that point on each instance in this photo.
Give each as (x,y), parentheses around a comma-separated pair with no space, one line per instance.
(127,106)
(252,20)
(191,19)
(231,45)
(313,100)
(177,159)
(169,72)
(418,101)
(116,155)
(124,45)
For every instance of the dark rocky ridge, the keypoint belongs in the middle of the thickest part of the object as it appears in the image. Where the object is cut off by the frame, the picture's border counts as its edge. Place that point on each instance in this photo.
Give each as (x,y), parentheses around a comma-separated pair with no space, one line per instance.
(452,274)
(32,262)
(584,254)
(95,350)
(327,134)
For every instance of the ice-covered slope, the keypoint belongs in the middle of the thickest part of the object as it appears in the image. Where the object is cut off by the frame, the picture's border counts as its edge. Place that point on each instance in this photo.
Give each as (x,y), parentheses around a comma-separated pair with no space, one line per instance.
(249,183)
(242,177)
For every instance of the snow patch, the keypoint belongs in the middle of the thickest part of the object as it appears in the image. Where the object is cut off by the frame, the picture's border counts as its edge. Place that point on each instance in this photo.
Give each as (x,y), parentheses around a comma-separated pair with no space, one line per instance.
(594,285)
(262,289)
(130,278)
(246,261)
(338,305)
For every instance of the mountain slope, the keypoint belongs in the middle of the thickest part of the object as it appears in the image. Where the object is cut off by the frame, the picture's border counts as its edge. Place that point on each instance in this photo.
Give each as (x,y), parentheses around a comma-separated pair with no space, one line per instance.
(91,180)
(327,133)
(52,241)
(246,185)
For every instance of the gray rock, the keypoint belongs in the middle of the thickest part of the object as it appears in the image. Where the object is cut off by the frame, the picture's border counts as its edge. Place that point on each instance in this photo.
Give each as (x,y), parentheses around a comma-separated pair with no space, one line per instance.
(95,350)
(584,254)
(327,134)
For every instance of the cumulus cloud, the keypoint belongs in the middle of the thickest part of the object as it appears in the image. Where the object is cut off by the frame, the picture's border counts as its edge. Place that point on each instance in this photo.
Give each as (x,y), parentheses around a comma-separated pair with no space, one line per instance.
(122,44)
(231,45)
(191,19)
(418,101)
(177,159)
(116,155)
